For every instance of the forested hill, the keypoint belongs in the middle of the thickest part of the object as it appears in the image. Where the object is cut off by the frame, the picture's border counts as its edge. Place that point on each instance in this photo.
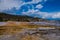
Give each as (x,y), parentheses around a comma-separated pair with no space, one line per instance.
(22,18)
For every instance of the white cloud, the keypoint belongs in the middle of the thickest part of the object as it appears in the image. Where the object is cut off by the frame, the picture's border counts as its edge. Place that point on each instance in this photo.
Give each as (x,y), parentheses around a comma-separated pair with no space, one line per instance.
(56,15)
(8,4)
(30,12)
(42,14)
(39,6)
(37,12)
(36,1)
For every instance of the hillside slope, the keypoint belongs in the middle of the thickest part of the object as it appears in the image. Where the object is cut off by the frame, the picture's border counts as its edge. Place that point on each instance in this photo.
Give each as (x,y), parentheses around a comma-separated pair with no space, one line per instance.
(21,18)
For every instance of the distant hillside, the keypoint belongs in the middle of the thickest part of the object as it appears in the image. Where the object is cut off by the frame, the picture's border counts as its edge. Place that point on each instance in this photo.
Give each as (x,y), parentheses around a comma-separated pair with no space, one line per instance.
(22,18)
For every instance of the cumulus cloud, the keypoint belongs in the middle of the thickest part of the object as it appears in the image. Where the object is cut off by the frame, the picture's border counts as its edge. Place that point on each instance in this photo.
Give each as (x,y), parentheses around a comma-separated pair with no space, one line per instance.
(45,15)
(51,15)
(8,4)
(56,15)
(36,12)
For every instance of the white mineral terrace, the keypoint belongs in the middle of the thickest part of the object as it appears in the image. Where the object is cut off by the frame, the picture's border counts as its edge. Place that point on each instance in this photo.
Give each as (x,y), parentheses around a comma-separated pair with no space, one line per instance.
(37,23)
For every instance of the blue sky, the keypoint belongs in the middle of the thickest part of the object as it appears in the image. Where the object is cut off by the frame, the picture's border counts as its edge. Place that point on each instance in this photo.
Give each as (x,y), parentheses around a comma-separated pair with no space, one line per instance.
(47,9)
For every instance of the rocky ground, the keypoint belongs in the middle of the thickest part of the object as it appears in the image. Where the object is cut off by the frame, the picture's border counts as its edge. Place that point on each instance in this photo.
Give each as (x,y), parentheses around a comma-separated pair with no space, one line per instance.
(27,34)
(28,31)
